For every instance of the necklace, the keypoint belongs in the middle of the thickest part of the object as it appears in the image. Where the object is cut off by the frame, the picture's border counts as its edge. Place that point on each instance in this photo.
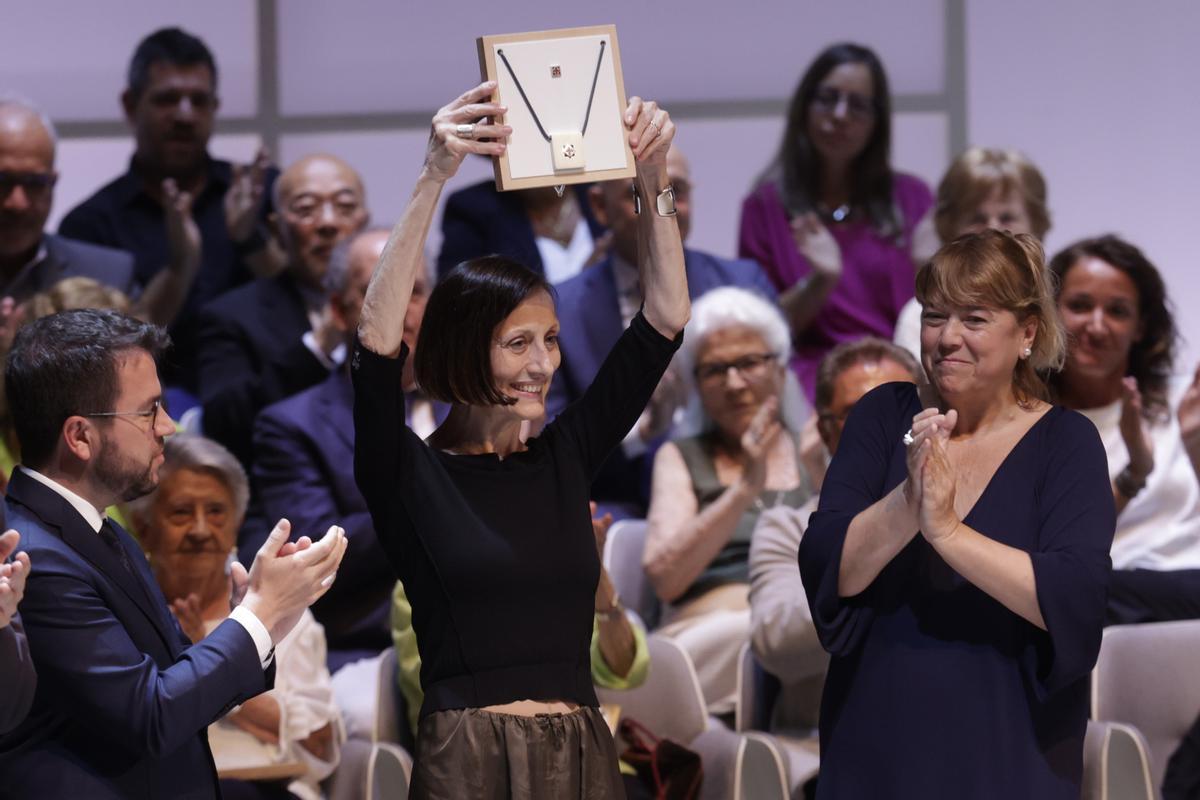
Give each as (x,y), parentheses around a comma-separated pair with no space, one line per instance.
(565,148)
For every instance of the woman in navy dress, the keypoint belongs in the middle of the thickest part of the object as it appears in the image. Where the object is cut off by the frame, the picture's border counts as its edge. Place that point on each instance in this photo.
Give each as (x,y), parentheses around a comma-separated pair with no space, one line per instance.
(958,563)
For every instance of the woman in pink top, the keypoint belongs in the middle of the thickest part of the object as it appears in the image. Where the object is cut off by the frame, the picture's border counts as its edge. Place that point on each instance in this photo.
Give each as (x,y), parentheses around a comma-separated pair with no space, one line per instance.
(833,226)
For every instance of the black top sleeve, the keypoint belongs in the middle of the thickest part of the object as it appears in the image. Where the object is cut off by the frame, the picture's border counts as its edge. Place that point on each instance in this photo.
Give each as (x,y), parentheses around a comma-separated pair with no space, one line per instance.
(379,424)
(600,419)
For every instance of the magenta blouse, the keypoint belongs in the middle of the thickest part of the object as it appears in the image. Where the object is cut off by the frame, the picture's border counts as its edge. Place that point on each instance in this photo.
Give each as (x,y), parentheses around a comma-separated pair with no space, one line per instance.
(877,273)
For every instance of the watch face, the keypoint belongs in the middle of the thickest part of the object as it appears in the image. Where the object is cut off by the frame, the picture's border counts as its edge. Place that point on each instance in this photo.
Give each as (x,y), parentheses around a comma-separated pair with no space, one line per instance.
(666,202)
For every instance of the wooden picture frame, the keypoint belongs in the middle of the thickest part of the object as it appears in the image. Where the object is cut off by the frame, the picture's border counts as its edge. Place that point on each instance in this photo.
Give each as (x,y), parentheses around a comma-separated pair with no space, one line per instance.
(536,62)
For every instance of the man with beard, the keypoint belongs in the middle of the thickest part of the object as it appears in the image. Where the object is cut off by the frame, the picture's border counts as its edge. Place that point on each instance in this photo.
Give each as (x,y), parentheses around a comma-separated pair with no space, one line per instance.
(171,103)
(123,697)
(273,337)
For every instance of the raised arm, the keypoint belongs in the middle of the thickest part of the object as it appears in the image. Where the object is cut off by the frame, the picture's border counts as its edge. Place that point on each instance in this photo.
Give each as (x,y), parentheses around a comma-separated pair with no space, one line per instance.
(660,250)
(381,325)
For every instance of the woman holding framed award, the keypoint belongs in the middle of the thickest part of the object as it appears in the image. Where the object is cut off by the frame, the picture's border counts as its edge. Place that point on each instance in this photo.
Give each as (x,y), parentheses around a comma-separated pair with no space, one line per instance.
(489,529)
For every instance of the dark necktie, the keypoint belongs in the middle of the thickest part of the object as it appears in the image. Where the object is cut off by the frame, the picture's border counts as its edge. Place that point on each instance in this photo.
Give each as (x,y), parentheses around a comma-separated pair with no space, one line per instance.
(109,535)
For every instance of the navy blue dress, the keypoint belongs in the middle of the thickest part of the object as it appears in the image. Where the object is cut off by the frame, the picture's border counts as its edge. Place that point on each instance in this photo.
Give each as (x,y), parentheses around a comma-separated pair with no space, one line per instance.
(935,689)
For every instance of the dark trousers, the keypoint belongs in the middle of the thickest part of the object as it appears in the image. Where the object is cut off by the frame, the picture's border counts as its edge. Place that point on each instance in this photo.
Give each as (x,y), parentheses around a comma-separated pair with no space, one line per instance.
(1144,595)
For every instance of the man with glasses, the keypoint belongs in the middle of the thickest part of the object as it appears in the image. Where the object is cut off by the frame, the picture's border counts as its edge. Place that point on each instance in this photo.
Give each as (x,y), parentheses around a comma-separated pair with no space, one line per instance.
(276,336)
(124,698)
(32,260)
(594,308)
(171,102)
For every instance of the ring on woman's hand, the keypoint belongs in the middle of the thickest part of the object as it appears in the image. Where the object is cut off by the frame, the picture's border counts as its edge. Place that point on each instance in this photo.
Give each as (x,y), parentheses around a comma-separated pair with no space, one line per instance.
(908,438)
(657,130)
(465,130)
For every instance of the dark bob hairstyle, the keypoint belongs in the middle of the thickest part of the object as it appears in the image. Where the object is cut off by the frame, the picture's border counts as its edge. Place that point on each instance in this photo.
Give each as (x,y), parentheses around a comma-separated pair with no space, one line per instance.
(797,166)
(1152,356)
(453,362)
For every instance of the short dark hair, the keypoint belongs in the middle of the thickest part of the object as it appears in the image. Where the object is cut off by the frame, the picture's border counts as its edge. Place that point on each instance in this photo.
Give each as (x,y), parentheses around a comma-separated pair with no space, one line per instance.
(797,166)
(167,45)
(1152,357)
(66,364)
(867,350)
(453,360)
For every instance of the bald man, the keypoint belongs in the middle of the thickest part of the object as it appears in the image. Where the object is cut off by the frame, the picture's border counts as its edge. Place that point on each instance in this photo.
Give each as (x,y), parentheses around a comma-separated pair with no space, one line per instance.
(275,336)
(32,260)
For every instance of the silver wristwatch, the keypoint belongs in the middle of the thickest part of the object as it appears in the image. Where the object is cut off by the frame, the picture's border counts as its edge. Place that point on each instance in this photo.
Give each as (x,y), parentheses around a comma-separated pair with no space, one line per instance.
(664,202)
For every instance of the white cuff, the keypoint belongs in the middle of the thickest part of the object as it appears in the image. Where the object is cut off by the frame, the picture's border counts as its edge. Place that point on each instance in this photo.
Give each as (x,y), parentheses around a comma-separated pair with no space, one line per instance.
(330,361)
(258,632)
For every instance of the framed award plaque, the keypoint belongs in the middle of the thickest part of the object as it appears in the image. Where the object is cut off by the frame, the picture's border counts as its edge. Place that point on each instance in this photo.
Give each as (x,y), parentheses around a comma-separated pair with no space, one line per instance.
(565,97)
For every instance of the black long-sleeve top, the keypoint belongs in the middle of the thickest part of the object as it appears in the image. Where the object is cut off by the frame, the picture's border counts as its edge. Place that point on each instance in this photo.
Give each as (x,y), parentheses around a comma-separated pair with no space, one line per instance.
(498,556)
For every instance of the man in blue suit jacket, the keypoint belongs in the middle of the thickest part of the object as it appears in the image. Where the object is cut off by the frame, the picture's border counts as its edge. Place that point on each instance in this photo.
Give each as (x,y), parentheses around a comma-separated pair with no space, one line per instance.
(123,699)
(596,305)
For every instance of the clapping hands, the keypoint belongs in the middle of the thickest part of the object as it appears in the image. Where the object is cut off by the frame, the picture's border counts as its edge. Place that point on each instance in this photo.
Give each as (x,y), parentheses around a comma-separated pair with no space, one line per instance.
(817,245)
(930,488)
(1133,430)
(12,576)
(244,198)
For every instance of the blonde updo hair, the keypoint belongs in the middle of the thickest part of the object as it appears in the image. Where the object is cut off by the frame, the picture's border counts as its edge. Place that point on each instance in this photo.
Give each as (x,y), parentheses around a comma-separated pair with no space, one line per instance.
(978,172)
(998,269)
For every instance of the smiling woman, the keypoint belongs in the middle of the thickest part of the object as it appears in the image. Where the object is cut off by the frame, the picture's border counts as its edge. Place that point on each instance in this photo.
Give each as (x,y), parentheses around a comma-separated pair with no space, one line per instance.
(957,573)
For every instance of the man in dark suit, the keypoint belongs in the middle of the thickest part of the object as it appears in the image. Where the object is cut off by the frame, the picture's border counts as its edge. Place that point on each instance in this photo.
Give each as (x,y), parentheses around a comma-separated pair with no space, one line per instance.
(32,260)
(302,446)
(171,102)
(17,674)
(123,698)
(596,305)
(275,336)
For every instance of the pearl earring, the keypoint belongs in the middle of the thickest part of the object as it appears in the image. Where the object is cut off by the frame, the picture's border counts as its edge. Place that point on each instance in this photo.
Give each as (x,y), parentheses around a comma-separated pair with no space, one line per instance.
(1027,352)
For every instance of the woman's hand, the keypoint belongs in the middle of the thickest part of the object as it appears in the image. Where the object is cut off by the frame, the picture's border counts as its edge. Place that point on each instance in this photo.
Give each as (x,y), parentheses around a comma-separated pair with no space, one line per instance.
(817,245)
(448,146)
(936,515)
(926,425)
(650,133)
(187,611)
(1134,432)
(757,442)
(1189,419)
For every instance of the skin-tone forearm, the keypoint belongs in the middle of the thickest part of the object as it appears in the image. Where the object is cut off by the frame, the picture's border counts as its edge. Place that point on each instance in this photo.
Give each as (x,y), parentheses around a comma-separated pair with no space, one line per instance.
(259,716)
(875,536)
(678,556)
(1003,572)
(618,646)
(402,259)
(804,300)
(164,296)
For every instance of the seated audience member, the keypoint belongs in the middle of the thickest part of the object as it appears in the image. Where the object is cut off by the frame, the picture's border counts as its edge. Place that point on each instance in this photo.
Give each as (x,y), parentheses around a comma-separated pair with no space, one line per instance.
(551,234)
(170,102)
(271,338)
(31,259)
(835,227)
(984,188)
(303,445)
(596,306)
(123,698)
(710,488)
(188,527)
(16,667)
(1120,362)
(781,627)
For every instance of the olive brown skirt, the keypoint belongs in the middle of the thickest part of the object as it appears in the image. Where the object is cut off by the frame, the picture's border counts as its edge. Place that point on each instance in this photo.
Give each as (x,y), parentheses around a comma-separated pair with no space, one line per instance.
(471,754)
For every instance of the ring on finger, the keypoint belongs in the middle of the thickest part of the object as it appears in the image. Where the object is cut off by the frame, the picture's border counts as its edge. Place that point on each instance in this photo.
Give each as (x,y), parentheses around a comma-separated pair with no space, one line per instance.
(908,438)
(465,130)
(652,123)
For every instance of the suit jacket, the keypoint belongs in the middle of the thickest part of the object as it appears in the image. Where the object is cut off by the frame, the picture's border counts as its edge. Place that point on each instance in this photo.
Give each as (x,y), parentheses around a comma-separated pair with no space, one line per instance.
(480,221)
(67,258)
(589,316)
(251,355)
(17,675)
(123,699)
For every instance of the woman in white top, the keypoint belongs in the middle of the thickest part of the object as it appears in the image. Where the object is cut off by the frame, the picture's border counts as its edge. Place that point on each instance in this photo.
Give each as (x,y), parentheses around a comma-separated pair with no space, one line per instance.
(1120,373)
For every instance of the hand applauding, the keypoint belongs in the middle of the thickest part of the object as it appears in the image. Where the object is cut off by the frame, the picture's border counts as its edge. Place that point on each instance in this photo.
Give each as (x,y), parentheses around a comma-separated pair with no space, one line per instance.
(1134,432)
(244,199)
(12,576)
(931,483)
(817,245)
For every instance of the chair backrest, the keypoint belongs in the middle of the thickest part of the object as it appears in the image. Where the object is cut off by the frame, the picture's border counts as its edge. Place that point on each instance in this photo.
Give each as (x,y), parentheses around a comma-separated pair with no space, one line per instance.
(389,772)
(388,703)
(1147,676)
(623,559)
(1116,763)
(669,703)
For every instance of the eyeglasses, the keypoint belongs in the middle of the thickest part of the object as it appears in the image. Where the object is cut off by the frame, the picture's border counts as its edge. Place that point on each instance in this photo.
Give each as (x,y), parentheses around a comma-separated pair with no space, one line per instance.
(150,413)
(751,368)
(309,209)
(858,106)
(35,184)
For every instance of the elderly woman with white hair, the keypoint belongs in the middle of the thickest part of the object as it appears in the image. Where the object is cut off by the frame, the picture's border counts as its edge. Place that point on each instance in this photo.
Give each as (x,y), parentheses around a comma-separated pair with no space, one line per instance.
(710,487)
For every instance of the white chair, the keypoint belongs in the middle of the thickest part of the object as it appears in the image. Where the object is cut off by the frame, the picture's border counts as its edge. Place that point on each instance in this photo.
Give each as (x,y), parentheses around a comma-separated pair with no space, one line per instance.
(374,765)
(623,559)
(1148,677)
(1116,763)
(670,705)
(758,691)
